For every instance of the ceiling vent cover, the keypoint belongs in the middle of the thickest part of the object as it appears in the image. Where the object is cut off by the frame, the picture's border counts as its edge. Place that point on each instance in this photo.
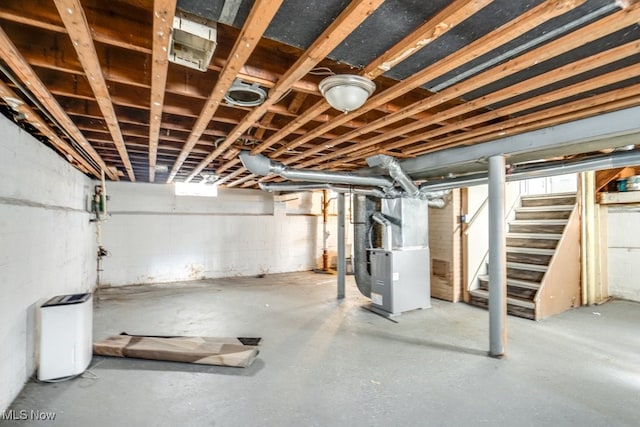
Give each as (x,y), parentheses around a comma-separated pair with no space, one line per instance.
(245,95)
(193,41)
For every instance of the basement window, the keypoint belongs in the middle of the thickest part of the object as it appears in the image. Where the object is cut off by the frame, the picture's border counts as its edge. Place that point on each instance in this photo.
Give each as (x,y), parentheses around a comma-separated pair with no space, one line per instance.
(198,189)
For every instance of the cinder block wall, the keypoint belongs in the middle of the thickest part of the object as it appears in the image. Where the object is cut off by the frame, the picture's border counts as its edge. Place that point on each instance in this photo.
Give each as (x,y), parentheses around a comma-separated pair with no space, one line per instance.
(46,246)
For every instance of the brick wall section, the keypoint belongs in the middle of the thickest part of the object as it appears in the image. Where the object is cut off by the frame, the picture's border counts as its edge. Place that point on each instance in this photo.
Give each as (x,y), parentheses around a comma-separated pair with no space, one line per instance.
(444,244)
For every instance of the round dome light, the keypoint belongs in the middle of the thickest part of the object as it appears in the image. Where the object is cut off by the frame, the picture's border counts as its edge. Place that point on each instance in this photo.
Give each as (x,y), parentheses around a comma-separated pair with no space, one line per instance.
(346,92)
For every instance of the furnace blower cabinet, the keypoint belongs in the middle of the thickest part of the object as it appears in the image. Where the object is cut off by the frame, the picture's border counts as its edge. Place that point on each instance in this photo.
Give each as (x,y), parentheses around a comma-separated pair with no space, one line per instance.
(400,273)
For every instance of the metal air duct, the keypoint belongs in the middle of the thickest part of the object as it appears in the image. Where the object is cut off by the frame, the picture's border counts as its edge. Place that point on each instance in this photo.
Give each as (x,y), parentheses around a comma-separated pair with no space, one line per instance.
(261,165)
(396,172)
(303,186)
(541,170)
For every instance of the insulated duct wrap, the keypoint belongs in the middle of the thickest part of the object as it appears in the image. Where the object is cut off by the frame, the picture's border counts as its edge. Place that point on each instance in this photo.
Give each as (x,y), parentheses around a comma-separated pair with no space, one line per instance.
(363,208)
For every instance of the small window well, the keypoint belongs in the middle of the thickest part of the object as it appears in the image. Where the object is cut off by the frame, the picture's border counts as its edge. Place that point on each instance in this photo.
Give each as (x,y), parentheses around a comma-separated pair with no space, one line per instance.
(193,41)
(245,95)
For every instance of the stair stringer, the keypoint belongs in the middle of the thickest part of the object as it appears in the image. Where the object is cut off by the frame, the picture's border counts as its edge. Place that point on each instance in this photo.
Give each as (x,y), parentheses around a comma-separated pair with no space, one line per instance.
(560,287)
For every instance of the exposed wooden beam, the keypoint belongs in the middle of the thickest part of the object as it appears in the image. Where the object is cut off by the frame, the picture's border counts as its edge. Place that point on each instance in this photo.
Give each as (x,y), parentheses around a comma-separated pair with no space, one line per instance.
(256,24)
(446,19)
(525,22)
(76,23)
(30,79)
(163,12)
(540,81)
(435,27)
(610,101)
(604,177)
(14,101)
(338,30)
(296,102)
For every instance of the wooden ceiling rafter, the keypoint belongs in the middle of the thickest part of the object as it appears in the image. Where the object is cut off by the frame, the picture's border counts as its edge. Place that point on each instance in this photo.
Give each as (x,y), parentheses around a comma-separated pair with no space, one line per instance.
(531,19)
(75,21)
(33,118)
(353,15)
(163,12)
(121,72)
(609,101)
(442,22)
(539,116)
(537,82)
(435,27)
(23,71)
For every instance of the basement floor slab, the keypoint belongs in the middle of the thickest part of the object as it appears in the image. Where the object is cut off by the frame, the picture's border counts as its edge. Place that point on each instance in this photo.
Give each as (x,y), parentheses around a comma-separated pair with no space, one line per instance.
(325,362)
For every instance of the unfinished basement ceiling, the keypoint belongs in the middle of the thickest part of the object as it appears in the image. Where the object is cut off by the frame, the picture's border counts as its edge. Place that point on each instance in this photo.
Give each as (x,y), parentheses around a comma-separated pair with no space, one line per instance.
(448,74)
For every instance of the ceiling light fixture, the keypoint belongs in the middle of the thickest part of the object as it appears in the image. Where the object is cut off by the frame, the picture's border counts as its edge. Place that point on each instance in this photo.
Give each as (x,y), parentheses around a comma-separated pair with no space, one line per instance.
(245,95)
(346,92)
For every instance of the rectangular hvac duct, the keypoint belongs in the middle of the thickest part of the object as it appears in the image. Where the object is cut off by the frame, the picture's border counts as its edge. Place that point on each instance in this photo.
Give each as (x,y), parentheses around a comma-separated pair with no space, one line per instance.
(193,41)
(410,221)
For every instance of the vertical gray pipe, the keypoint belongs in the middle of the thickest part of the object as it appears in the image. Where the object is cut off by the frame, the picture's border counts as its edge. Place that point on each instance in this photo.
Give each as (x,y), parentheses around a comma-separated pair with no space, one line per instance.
(497,258)
(341,255)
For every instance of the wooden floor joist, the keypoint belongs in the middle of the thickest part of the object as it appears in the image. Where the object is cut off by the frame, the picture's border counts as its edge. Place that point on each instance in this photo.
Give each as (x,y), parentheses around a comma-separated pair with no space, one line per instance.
(76,24)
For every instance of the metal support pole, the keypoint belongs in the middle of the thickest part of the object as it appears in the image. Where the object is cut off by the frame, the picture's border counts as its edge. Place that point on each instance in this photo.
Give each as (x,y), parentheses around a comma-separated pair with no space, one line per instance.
(497,259)
(341,252)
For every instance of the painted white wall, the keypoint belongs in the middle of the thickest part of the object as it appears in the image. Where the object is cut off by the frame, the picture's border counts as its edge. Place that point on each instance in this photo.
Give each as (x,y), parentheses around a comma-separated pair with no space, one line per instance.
(478,230)
(623,242)
(47,246)
(154,236)
(552,184)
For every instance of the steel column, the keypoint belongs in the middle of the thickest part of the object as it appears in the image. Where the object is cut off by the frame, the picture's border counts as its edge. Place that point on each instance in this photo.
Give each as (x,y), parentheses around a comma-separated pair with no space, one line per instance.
(497,259)
(341,252)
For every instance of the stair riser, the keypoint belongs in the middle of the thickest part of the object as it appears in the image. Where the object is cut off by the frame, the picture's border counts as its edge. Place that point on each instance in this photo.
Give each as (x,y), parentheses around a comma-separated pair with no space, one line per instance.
(532,243)
(513,291)
(512,310)
(527,215)
(537,228)
(528,275)
(528,258)
(569,200)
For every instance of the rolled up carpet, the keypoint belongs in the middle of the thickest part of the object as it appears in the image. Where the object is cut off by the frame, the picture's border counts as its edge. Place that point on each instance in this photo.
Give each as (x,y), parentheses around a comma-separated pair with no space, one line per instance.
(200,350)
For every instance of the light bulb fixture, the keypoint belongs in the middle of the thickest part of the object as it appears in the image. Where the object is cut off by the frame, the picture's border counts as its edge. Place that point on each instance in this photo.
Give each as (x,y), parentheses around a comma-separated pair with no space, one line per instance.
(346,92)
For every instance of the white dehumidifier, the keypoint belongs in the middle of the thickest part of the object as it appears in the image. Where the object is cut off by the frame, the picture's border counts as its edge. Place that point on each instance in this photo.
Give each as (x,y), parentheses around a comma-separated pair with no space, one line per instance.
(66,324)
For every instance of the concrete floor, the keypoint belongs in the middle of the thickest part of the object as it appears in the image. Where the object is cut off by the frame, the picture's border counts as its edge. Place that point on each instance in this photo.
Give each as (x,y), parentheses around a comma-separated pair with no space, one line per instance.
(326,362)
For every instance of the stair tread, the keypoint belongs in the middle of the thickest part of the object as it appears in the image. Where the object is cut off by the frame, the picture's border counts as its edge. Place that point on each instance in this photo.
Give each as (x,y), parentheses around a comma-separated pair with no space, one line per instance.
(541,221)
(510,300)
(545,208)
(532,251)
(549,196)
(515,282)
(555,236)
(527,266)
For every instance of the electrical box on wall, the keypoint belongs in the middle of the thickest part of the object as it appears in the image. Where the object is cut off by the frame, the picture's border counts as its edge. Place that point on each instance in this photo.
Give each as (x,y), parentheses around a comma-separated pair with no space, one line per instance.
(193,41)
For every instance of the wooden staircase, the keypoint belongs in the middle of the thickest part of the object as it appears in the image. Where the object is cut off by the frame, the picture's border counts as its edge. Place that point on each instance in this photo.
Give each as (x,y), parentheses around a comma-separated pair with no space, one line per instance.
(543,258)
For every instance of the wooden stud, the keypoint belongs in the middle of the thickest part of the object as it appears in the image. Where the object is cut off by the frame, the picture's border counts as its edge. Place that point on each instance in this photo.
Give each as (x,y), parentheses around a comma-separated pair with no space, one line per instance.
(163,12)
(338,30)
(76,23)
(256,24)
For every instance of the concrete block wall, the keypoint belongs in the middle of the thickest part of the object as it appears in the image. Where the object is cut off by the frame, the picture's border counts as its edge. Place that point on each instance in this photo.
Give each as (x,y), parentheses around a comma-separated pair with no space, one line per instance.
(623,251)
(154,236)
(47,246)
